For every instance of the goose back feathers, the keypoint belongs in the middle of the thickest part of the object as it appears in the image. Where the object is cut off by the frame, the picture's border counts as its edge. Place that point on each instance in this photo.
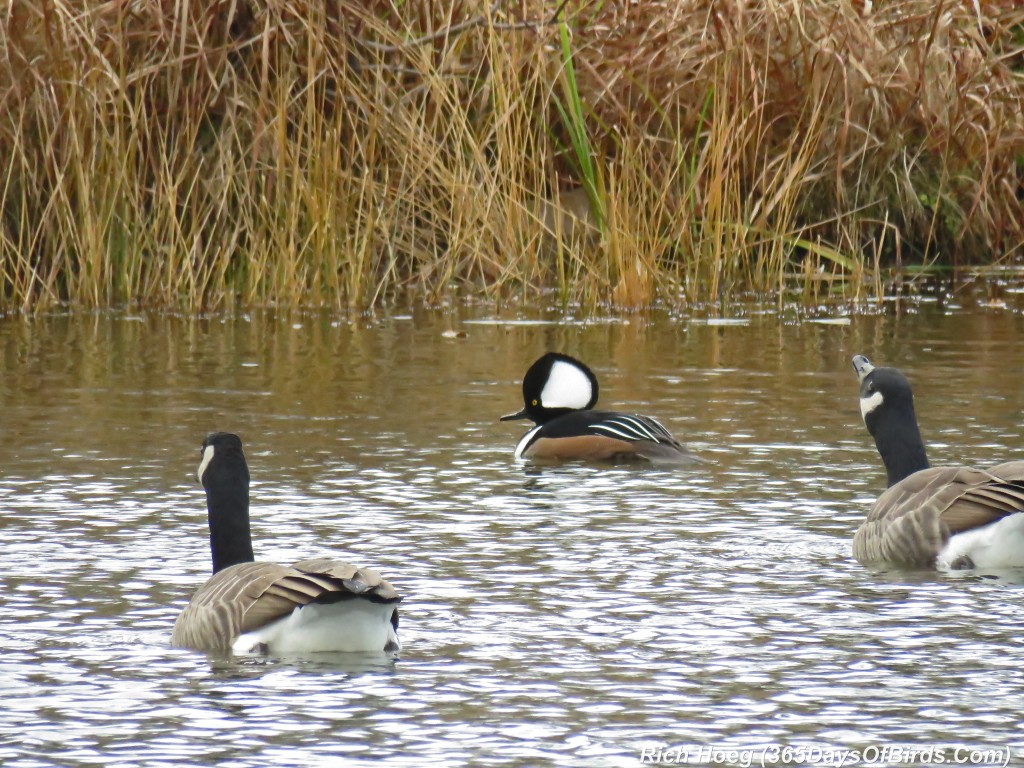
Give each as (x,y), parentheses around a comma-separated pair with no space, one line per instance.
(916,521)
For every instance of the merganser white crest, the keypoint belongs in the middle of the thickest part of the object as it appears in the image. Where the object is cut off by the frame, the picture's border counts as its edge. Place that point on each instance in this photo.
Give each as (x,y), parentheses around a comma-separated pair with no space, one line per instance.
(567,387)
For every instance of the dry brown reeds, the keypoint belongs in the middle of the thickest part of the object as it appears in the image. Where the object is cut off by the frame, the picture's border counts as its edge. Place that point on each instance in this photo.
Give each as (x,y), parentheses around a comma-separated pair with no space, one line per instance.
(282,152)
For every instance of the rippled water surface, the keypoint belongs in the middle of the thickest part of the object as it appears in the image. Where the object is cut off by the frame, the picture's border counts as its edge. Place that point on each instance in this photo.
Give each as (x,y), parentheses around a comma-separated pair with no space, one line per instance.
(556,615)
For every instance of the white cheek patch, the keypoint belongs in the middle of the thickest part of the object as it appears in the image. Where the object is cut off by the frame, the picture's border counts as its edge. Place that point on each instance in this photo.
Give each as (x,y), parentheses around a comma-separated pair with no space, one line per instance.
(207,455)
(567,387)
(868,404)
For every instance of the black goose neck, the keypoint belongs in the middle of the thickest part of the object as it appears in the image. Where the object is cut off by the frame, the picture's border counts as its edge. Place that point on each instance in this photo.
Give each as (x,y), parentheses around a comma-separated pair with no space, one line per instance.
(227,505)
(899,443)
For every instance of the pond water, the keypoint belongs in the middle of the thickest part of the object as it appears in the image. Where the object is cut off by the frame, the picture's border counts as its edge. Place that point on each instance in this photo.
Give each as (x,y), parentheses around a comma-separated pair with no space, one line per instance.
(554,615)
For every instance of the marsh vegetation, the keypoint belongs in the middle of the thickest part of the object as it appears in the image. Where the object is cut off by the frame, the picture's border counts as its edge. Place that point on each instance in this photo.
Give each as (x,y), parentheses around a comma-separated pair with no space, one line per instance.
(279,152)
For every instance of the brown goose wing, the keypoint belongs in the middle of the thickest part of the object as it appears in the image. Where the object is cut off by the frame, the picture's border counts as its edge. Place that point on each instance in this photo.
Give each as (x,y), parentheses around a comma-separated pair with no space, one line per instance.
(912,521)
(239,597)
(363,582)
(988,496)
(247,596)
(905,524)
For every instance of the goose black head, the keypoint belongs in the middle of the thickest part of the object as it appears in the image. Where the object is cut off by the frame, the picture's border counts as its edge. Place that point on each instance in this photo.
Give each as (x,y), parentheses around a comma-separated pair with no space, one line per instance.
(887,407)
(221,455)
(883,391)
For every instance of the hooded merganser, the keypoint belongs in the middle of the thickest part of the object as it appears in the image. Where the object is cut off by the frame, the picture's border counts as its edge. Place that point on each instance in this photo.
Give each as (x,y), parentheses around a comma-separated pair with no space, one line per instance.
(950,518)
(313,605)
(559,392)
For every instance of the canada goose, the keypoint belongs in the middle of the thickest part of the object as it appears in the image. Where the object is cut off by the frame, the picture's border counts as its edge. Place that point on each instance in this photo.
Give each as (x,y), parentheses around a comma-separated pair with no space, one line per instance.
(950,518)
(246,606)
(559,392)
